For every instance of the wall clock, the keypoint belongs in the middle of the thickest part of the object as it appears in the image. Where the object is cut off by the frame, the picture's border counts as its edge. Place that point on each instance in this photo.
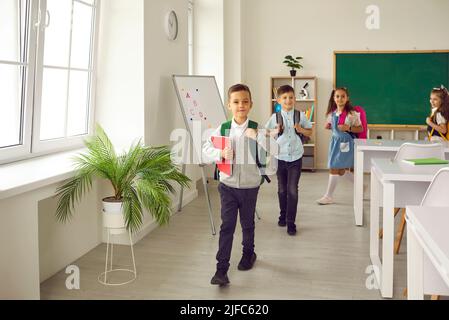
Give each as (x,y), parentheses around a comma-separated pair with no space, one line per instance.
(171,25)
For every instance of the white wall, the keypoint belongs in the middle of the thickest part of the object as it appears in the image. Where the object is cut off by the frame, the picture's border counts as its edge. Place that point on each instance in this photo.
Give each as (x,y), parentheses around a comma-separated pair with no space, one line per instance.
(134,99)
(163,58)
(19,247)
(34,246)
(314,29)
(135,93)
(120,111)
(120,71)
(232,43)
(208,40)
(62,243)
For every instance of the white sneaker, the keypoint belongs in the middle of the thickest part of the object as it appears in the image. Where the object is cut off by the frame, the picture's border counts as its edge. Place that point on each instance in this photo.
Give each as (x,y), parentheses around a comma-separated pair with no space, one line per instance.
(325,200)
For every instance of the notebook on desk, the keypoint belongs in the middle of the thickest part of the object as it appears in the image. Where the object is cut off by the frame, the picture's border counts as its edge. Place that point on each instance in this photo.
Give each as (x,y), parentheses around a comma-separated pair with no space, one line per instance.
(426,161)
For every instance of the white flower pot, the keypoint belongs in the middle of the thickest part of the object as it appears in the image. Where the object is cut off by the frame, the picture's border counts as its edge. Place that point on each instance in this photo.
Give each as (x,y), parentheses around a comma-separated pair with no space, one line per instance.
(113,217)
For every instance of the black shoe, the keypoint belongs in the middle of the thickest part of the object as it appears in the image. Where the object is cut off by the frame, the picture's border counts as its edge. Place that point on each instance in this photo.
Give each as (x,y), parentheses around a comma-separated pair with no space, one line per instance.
(291,231)
(247,262)
(220,279)
(282,223)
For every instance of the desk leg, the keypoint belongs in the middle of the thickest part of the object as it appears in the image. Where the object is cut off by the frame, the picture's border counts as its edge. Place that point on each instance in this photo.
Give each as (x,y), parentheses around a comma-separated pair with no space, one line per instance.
(415,287)
(358,188)
(374,214)
(374,226)
(388,240)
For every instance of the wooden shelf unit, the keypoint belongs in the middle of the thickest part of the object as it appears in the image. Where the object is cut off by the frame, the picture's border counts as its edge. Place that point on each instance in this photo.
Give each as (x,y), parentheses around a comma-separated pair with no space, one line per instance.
(310,148)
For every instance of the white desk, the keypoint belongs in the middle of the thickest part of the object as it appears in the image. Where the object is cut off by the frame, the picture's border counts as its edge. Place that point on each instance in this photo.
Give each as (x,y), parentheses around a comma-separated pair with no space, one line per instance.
(365,150)
(393,184)
(427,232)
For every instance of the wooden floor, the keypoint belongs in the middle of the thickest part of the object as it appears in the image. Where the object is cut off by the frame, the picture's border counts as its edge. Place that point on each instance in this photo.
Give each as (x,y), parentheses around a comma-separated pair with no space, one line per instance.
(326,260)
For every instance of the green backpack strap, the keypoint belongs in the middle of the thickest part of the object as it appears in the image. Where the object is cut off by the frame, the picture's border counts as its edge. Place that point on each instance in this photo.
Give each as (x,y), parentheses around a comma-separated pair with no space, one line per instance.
(254,148)
(225,128)
(253,125)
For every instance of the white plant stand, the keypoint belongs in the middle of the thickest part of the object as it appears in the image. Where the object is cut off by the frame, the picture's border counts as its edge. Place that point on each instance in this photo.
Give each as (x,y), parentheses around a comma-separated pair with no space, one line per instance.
(114,223)
(108,268)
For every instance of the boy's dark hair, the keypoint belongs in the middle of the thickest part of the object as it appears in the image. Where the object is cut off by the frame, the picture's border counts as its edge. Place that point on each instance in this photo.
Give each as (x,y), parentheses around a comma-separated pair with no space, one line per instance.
(239,87)
(285,89)
(443,94)
(332,106)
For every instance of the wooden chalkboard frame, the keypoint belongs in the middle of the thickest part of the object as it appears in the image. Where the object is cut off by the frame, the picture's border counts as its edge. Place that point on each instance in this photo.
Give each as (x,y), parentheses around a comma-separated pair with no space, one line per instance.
(381,126)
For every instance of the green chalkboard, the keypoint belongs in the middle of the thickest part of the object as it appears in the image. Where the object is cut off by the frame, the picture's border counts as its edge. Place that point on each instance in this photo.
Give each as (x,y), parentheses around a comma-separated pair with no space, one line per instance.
(393,88)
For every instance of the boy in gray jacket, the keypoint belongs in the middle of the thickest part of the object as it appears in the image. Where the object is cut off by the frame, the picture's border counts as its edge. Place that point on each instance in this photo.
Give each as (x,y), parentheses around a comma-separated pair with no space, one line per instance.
(238,192)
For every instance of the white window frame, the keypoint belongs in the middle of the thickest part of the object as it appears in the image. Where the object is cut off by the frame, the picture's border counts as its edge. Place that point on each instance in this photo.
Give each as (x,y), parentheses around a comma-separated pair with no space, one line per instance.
(24,148)
(62,144)
(31,146)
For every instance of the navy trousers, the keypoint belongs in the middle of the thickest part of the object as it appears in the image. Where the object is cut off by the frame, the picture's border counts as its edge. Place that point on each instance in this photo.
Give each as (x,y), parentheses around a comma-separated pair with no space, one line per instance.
(288,175)
(234,201)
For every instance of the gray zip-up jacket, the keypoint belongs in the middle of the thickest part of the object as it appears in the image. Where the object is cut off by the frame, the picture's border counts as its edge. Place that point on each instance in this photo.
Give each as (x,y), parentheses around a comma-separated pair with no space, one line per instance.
(245,173)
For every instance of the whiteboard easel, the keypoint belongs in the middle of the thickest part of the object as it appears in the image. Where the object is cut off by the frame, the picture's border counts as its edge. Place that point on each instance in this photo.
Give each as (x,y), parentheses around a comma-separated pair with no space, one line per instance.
(199,100)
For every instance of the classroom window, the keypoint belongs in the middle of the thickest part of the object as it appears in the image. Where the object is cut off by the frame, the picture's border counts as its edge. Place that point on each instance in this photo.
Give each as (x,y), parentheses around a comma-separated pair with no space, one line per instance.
(46,72)
(64,69)
(13,70)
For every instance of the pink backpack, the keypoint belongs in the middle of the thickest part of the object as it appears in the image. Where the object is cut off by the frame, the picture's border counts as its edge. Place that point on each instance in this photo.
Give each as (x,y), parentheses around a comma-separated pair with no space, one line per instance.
(359,109)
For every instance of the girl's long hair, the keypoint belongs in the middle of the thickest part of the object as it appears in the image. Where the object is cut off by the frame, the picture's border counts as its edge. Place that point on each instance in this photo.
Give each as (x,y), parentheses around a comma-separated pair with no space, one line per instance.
(444,96)
(332,106)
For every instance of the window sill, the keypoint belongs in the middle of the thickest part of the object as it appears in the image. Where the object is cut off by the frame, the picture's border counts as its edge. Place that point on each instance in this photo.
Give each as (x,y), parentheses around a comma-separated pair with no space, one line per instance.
(28,175)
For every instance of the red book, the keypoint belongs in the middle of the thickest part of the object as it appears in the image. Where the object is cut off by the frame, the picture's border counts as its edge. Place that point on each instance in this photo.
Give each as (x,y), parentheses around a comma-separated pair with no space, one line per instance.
(220,143)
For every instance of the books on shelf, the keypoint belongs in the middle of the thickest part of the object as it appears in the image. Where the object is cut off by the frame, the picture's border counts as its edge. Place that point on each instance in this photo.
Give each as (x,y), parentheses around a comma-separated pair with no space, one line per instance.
(309,113)
(426,161)
(275,92)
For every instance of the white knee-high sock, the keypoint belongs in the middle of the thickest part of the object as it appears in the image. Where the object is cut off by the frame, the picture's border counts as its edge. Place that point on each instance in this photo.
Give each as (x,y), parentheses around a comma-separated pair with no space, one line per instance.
(349,176)
(333,181)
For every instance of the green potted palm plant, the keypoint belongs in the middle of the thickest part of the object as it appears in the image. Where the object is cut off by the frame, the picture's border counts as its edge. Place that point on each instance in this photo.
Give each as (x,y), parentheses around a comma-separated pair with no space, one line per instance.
(142,178)
(293,64)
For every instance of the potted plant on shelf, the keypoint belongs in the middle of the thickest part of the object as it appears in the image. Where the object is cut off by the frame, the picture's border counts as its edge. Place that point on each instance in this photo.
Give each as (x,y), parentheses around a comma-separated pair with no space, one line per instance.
(293,63)
(141,178)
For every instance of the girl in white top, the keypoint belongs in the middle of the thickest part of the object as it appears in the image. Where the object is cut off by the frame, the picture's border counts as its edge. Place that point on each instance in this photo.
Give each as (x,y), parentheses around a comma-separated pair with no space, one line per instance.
(437,122)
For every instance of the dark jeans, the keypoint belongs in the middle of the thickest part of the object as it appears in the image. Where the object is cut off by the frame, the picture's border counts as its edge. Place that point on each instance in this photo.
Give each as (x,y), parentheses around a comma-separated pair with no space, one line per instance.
(288,175)
(233,201)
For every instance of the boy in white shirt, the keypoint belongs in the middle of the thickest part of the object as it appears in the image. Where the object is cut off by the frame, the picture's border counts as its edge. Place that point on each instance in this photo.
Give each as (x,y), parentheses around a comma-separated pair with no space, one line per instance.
(239,191)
